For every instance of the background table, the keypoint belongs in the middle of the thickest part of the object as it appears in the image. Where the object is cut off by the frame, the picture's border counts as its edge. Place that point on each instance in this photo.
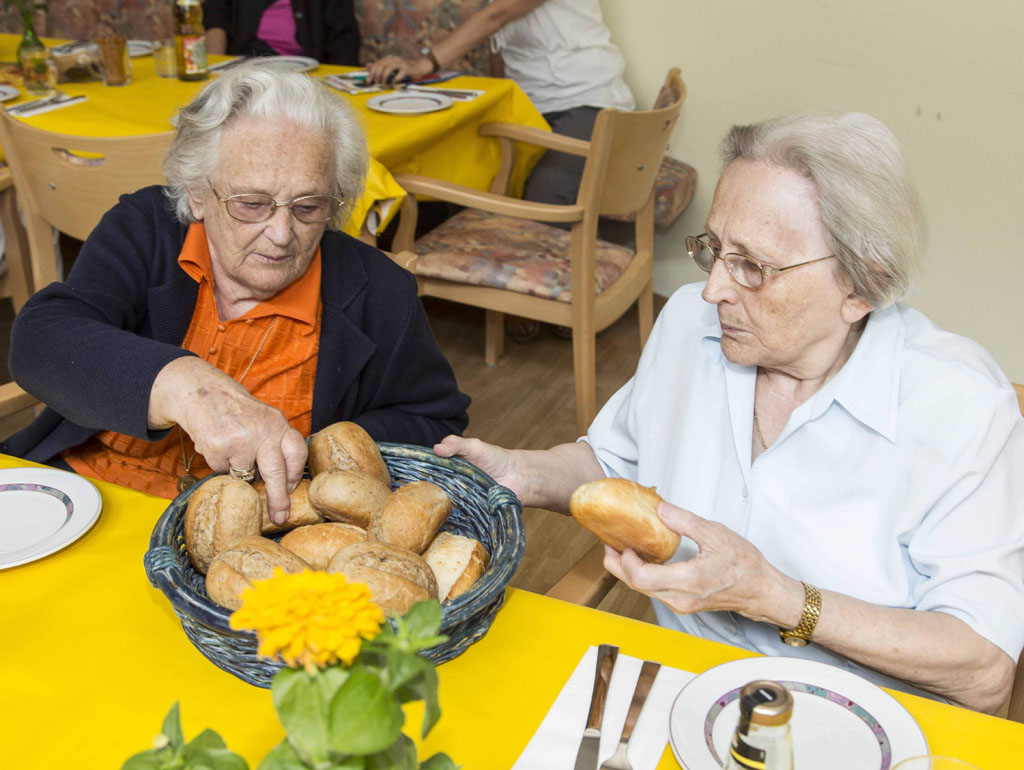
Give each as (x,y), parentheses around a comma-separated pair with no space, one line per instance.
(92,658)
(443,144)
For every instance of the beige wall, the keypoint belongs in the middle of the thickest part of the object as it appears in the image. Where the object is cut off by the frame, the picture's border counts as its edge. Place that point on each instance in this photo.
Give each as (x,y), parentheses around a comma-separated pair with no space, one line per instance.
(947,76)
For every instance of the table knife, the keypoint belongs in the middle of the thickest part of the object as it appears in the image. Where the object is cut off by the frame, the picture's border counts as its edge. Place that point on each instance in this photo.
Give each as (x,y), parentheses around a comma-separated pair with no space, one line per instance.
(586,757)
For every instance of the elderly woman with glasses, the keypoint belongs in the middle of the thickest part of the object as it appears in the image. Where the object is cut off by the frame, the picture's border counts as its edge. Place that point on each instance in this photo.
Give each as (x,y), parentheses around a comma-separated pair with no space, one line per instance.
(213,323)
(846,476)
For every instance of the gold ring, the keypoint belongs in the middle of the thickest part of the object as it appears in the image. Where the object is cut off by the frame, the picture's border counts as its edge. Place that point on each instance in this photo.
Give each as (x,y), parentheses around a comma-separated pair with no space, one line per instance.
(246,474)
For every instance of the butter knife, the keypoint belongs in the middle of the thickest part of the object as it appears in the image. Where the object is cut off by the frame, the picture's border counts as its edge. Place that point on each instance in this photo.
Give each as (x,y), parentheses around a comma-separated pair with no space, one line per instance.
(619,761)
(586,757)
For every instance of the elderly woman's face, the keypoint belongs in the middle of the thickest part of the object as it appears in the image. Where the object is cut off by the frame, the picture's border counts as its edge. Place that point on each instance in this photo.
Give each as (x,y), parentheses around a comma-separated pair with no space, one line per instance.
(800,318)
(255,260)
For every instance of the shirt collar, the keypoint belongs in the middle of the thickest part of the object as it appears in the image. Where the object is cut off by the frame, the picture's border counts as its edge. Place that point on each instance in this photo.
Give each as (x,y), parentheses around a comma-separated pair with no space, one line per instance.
(298,300)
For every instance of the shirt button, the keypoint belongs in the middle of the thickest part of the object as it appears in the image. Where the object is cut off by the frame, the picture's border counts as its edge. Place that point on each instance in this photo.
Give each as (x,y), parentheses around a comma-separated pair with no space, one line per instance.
(745,492)
(249,321)
(212,350)
(298,14)
(221,328)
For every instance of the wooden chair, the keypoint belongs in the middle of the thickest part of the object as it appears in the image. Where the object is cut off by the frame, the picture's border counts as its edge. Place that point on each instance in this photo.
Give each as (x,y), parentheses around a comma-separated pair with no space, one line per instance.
(17,283)
(68,182)
(501,256)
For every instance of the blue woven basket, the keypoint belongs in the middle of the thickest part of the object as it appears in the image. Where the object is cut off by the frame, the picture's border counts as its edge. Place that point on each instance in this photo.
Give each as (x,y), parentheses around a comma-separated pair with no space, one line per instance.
(481,509)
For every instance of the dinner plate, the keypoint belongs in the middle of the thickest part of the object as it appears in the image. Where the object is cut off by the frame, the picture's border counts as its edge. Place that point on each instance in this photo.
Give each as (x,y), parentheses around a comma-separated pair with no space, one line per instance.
(41,511)
(8,92)
(409,103)
(139,48)
(840,720)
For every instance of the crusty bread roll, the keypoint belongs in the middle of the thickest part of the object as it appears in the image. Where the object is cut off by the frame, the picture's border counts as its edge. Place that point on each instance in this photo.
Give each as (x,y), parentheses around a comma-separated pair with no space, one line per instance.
(386,558)
(411,516)
(251,558)
(220,512)
(345,446)
(300,512)
(457,562)
(394,595)
(349,496)
(624,515)
(317,543)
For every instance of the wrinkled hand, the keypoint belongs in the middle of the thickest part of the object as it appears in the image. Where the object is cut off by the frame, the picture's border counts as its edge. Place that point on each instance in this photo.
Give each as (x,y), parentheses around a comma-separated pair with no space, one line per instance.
(496,462)
(729,572)
(230,428)
(395,69)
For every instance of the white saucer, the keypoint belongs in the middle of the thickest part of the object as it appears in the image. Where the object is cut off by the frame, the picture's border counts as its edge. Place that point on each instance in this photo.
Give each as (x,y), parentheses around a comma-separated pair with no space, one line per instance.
(409,103)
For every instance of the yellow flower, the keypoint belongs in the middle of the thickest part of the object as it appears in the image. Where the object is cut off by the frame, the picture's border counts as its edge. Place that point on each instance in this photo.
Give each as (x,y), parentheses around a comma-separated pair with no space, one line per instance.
(311,619)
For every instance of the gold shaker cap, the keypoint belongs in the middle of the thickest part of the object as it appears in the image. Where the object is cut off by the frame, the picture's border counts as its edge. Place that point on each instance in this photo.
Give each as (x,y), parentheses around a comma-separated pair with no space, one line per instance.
(765,702)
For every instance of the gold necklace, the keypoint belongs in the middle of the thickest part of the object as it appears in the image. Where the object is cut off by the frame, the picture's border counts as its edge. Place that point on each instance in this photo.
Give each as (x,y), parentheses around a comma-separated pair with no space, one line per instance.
(187,480)
(757,426)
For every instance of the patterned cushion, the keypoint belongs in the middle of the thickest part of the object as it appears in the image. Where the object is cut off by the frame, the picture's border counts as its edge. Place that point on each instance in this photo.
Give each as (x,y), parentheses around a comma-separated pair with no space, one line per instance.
(673,189)
(403,27)
(509,253)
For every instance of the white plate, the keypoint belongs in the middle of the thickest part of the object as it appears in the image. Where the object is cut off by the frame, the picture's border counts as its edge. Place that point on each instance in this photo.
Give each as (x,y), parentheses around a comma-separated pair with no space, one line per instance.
(840,721)
(8,92)
(41,511)
(139,48)
(409,103)
(295,63)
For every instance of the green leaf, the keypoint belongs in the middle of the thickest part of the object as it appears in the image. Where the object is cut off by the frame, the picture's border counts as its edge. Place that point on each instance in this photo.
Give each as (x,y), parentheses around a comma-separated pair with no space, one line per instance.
(205,758)
(172,728)
(439,762)
(207,739)
(303,712)
(364,716)
(423,687)
(329,680)
(423,619)
(400,755)
(282,757)
(401,667)
(144,760)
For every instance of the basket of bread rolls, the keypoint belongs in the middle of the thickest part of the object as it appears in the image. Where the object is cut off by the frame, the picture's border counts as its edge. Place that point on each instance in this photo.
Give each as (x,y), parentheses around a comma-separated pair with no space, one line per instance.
(407,523)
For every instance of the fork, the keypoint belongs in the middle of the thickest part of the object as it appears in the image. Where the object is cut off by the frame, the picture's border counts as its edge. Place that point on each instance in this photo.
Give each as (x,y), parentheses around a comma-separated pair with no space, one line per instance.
(619,760)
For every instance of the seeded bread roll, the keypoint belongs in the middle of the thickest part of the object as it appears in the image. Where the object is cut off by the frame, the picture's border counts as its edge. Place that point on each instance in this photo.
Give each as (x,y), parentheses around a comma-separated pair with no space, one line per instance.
(386,558)
(251,558)
(220,512)
(349,496)
(393,594)
(345,446)
(317,543)
(300,512)
(457,562)
(624,515)
(411,516)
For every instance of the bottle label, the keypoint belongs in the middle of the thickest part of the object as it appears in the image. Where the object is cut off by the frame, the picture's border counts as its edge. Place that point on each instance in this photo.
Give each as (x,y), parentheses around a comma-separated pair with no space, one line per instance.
(194,50)
(745,755)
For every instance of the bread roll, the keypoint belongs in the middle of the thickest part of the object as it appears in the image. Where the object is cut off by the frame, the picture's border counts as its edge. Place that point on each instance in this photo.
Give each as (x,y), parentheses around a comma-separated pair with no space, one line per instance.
(386,558)
(624,515)
(300,512)
(393,594)
(345,446)
(457,562)
(411,516)
(251,558)
(220,512)
(349,496)
(317,543)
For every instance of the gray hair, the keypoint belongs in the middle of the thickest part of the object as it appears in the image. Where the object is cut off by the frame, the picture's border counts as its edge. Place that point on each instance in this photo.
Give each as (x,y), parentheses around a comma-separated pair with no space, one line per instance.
(869,207)
(263,90)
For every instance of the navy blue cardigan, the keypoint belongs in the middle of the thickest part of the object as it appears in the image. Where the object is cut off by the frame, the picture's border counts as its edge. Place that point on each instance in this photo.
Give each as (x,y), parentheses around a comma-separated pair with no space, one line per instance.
(90,348)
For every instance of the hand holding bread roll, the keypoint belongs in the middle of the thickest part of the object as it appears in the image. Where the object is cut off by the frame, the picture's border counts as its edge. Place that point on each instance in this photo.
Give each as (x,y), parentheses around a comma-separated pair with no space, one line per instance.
(317,543)
(345,446)
(624,515)
(411,516)
(300,511)
(251,558)
(220,512)
(350,496)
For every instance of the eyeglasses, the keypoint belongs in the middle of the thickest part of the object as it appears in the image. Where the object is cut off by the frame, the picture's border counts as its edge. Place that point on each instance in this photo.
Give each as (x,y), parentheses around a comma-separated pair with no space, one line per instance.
(256,207)
(746,271)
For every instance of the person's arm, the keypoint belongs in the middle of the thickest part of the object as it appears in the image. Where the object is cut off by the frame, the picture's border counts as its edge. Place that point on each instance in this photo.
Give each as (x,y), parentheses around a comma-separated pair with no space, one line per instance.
(217,19)
(464,38)
(932,650)
(216,41)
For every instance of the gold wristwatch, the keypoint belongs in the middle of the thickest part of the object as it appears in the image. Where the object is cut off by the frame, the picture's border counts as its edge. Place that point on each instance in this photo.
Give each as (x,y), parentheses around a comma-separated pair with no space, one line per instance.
(801,635)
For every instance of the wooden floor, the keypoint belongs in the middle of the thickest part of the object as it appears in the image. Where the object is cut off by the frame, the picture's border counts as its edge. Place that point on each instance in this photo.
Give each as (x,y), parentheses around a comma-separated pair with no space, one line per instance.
(525,401)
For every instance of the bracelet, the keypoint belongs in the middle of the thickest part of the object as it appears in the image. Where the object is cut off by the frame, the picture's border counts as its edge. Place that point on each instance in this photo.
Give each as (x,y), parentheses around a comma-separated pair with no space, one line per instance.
(801,635)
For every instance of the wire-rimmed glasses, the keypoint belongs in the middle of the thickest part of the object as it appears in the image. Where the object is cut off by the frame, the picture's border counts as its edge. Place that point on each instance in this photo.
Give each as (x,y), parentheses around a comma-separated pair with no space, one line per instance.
(746,271)
(257,207)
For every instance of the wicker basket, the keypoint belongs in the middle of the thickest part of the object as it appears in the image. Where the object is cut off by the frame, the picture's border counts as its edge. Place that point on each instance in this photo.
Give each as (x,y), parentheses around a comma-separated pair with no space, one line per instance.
(481,509)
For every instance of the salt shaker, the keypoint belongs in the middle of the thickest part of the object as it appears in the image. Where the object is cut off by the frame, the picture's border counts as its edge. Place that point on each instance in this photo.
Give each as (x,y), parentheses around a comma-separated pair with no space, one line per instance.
(762,739)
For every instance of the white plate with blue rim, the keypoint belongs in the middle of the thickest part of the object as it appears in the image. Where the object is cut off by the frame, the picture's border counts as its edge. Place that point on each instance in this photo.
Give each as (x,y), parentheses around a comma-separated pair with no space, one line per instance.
(840,720)
(42,510)
(409,103)
(8,92)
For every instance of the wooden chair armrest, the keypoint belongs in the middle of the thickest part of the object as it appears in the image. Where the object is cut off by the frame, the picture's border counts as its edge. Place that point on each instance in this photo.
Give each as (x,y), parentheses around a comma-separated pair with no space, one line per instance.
(13,399)
(536,136)
(486,201)
(587,582)
(404,259)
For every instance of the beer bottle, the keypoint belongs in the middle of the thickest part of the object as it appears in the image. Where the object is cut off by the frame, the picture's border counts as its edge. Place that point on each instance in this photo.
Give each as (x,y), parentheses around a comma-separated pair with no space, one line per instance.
(190,40)
(762,739)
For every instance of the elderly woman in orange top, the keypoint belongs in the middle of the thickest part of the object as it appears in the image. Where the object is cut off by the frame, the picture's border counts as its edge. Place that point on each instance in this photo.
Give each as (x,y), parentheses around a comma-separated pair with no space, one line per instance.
(213,323)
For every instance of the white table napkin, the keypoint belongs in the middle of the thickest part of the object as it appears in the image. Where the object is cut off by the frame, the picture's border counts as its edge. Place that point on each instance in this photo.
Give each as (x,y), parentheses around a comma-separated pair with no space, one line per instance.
(50,107)
(554,745)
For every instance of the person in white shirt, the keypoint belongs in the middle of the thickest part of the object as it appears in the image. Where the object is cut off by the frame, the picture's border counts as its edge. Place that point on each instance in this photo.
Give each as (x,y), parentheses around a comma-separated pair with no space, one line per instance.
(842,471)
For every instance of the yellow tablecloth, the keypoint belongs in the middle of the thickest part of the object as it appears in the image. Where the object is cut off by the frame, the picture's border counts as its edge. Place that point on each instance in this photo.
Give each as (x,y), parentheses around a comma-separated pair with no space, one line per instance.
(442,144)
(92,657)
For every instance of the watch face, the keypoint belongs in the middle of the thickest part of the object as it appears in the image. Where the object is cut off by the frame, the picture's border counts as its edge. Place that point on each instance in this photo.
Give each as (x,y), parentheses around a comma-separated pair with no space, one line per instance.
(794,641)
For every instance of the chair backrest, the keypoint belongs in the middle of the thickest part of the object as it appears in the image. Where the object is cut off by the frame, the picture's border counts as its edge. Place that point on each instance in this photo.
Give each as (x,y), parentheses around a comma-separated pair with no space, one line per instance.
(69,182)
(627,149)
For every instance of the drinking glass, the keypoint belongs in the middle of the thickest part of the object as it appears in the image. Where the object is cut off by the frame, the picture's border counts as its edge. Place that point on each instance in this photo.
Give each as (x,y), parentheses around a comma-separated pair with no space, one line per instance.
(165,59)
(933,762)
(39,72)
(114,61)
